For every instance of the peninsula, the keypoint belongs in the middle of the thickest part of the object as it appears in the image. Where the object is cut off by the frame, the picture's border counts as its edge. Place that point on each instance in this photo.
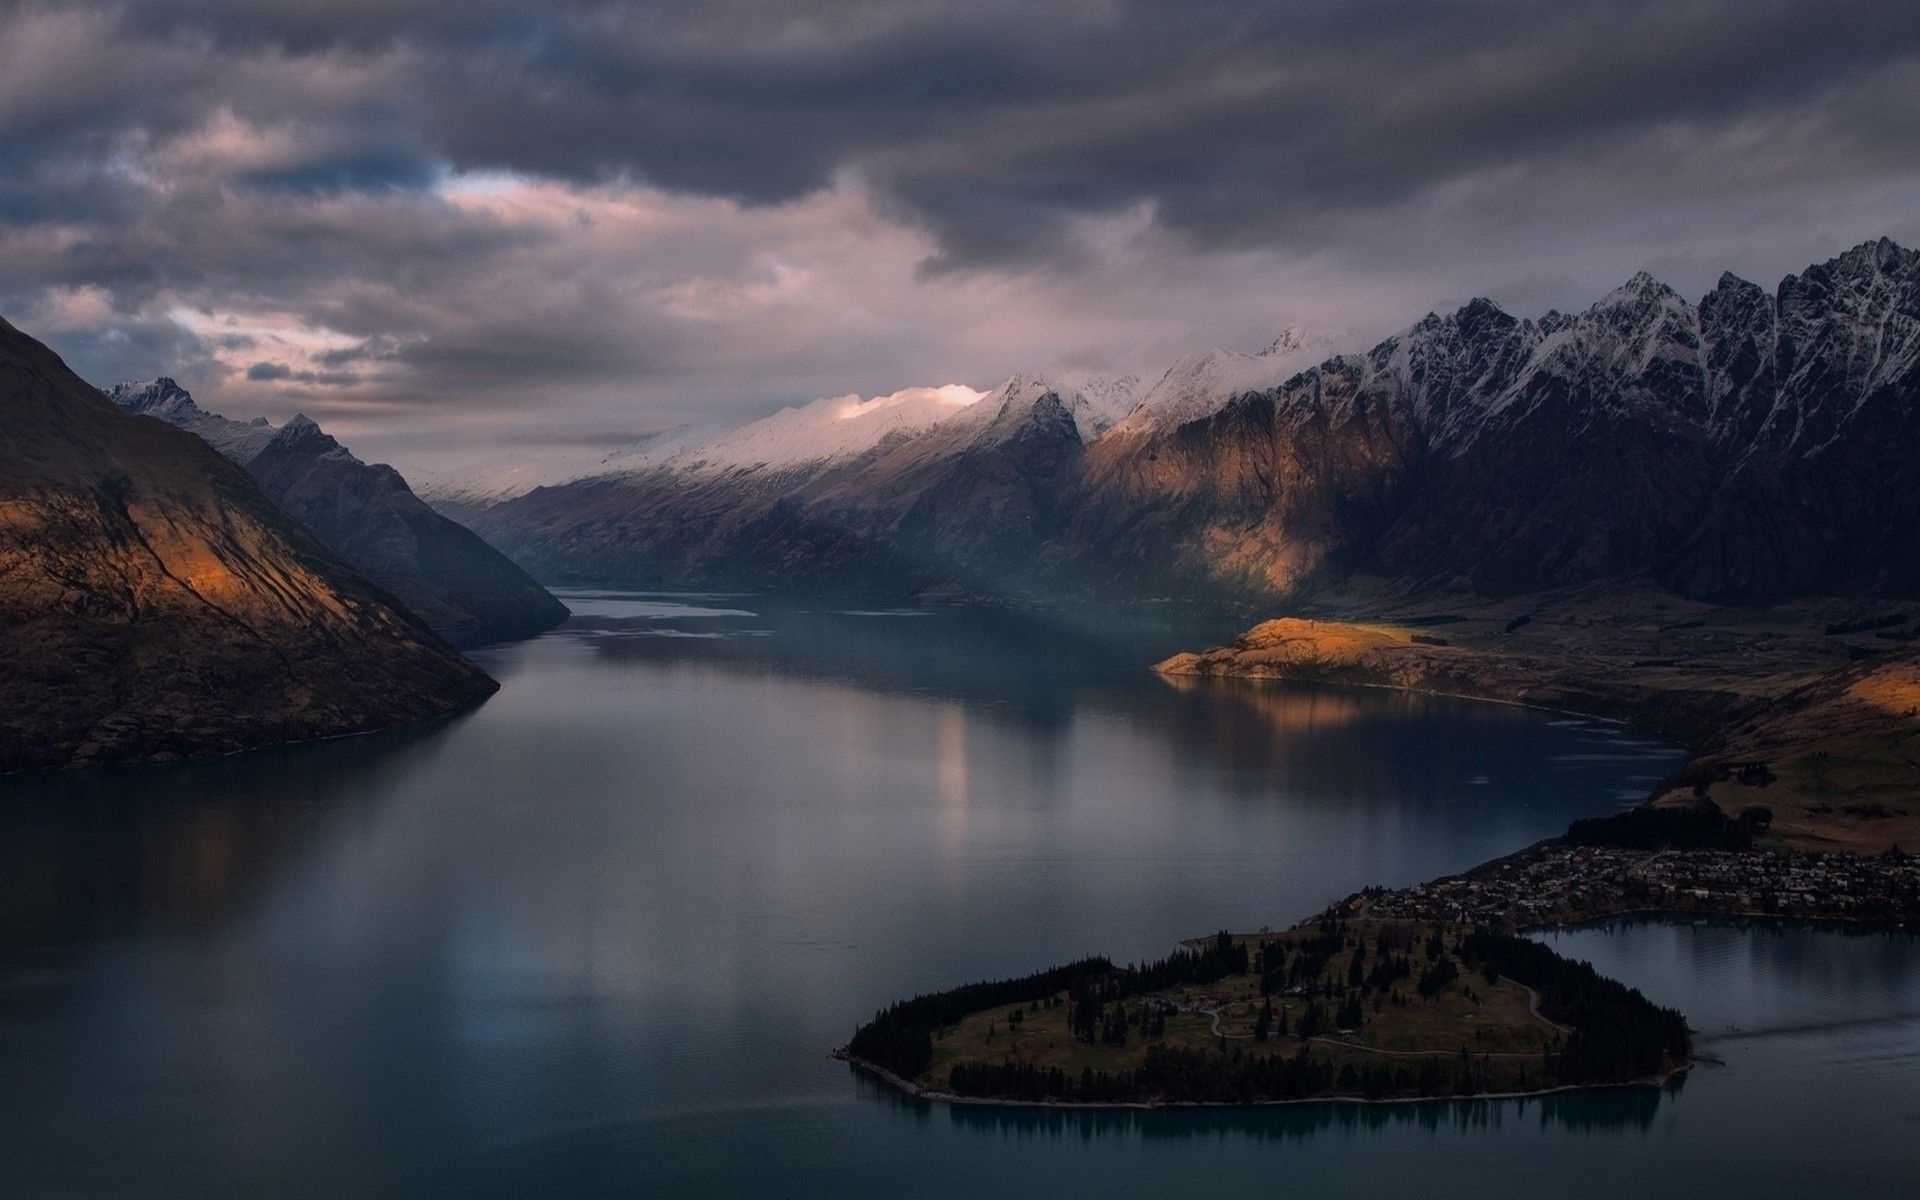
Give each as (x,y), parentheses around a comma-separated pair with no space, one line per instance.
(1803,784)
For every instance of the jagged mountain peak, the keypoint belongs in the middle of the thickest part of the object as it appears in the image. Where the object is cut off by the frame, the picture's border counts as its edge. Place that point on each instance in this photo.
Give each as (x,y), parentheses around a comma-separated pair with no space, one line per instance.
(1009,404)
(1642,283)
(1641,301)
(153,396)
(1290,339)
(1480,308)
(1747,447)
(1026,387)
(822,432)
(443,573)
(1202,382)
(167,400)
(1027,399)
(303,434)
(1881,255)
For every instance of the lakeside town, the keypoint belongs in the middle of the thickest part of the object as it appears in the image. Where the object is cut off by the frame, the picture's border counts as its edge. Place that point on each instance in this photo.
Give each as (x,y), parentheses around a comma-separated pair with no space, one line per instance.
(1557,883)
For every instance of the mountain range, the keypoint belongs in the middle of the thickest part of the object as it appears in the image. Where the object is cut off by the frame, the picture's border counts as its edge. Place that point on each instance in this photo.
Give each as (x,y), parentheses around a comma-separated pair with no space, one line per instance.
(156,602)
(1754,446)
(464,589)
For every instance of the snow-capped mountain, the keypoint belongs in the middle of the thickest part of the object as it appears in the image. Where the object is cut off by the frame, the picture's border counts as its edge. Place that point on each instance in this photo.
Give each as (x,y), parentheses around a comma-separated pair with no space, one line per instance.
(1003,413)
(462,587)
(163,398)
(829,430)
(472,487)
(1199,384)
(1753,446)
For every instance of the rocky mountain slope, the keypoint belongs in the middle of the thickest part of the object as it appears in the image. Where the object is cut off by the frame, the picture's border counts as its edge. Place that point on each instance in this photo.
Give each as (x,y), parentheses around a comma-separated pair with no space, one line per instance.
(1751,447)
(463,588)
(155,602)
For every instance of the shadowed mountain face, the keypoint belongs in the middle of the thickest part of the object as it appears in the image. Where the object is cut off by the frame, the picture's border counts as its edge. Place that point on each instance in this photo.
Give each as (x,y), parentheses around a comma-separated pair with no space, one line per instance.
(155,602)
(1749,448)
(464,589)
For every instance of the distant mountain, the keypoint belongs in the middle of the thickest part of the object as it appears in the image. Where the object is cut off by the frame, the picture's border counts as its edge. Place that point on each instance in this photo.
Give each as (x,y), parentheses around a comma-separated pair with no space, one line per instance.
(156,602)
(462,491)
(1201,383)
(837,493)
(466,590)
(835,428)
(1750,448)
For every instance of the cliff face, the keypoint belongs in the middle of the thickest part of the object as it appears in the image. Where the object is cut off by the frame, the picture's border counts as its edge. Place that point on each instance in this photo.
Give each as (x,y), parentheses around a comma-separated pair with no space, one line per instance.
(464,589)
(155,602)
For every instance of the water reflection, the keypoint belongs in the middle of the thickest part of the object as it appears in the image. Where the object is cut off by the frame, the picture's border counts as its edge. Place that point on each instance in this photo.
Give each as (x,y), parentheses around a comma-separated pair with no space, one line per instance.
(1042,670)
(598,936)
(1616,1111)
(126,851)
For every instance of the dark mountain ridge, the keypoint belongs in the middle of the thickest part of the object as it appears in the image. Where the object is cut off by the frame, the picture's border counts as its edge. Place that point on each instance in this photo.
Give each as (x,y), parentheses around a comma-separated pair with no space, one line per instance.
(155,602)
(1751,448)
(467,591)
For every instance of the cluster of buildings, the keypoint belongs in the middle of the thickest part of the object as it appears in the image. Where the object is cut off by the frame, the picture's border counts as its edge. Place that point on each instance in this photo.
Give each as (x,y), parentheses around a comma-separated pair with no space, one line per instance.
(1559,884)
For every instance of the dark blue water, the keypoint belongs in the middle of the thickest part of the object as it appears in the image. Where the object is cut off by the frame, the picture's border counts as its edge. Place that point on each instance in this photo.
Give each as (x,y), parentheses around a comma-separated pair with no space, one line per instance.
(597,937)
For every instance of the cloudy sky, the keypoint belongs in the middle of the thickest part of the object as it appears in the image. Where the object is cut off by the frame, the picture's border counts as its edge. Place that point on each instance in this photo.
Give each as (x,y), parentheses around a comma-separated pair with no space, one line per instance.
(446,228)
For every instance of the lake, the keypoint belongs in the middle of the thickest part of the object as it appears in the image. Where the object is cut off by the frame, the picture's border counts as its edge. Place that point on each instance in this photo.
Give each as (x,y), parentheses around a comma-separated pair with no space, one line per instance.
(598,936)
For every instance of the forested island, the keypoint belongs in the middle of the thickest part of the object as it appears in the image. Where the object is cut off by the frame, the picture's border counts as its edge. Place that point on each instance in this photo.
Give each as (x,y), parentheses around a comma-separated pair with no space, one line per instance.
(1334,1008)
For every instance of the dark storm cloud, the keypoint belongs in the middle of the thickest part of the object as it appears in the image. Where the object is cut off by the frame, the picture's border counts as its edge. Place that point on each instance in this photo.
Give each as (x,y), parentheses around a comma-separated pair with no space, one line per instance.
(992,121)
(293,161)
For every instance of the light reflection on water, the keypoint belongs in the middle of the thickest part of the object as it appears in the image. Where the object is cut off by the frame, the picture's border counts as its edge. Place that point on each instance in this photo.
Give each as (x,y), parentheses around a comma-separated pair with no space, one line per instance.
(598,935)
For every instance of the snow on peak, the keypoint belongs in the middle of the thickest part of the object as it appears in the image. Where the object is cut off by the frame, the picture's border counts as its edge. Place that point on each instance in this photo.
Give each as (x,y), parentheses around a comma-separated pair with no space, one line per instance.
(1199,384)
(156,396)
(1099,402)
(827,430)
(1642,289)
(1094,404)
(1294,339)
(831,429)
(167,400)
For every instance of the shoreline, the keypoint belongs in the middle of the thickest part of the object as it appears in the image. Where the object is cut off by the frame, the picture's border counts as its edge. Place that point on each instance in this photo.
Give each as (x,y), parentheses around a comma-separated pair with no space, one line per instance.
(932,1095)
(1849,925)
(1767,712)
(1262,676)
(1355,906)
(1585,884)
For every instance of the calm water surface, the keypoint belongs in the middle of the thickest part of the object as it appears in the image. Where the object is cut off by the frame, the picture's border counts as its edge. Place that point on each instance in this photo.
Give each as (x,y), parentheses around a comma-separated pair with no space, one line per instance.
(597,937)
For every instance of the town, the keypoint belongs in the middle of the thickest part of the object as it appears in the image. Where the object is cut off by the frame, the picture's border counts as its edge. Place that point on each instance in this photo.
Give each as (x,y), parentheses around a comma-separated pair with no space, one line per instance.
(1555,883)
